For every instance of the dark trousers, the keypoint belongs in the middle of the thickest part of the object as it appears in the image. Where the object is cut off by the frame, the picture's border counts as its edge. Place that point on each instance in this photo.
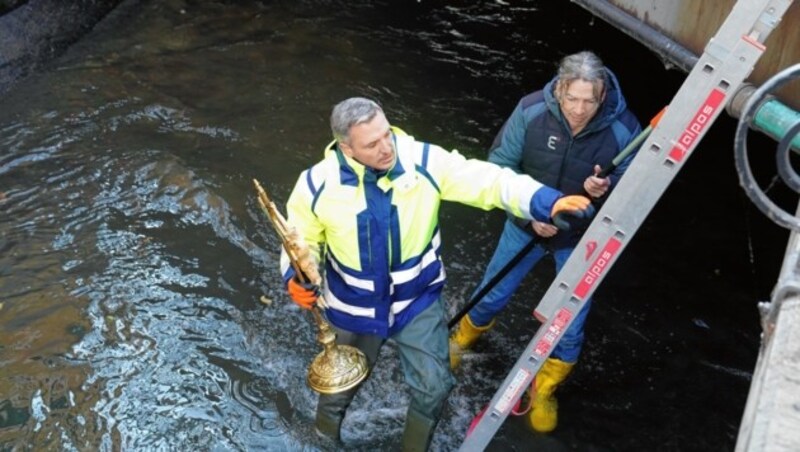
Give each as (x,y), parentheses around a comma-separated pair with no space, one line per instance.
(424,359)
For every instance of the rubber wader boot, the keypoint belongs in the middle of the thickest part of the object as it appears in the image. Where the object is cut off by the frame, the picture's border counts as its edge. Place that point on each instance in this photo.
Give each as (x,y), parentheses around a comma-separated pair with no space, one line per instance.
(463,338)
(328,425)
(544,409)
(418,432)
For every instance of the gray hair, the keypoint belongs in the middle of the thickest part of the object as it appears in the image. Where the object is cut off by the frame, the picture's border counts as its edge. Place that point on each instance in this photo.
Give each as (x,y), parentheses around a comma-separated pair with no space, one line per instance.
(351,112)
(584,66)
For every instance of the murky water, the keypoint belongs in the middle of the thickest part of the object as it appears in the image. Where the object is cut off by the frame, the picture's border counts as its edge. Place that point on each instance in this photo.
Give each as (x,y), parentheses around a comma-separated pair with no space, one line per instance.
(134,258)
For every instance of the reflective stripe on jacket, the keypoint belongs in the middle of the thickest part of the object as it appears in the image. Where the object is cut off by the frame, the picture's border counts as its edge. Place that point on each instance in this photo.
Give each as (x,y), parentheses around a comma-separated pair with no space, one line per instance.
(378,233)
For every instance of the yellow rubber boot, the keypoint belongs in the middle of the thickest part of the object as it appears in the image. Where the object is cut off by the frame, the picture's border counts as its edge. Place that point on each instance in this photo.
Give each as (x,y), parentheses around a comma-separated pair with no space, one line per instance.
(463,338)
(543,416)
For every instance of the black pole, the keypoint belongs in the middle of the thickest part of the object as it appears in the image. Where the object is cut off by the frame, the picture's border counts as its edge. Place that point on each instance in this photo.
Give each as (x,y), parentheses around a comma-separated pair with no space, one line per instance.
(493,282)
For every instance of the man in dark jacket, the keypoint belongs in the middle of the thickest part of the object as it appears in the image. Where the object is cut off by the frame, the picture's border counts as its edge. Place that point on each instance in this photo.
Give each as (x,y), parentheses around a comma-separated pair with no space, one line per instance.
(561,136)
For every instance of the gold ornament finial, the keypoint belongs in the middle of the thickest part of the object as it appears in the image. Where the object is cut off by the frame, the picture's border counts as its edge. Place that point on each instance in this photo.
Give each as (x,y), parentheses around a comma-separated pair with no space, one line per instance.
(338,367)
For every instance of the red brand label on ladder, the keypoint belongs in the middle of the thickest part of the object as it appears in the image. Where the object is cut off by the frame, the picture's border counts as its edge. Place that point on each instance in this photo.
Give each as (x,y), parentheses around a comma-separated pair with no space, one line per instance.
(553,333)
(696,127)
(513,392)
(597,268)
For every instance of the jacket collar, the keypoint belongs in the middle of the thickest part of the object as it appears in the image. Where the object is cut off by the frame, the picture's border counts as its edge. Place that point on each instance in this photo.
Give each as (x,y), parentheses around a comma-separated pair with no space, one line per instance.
(351,172)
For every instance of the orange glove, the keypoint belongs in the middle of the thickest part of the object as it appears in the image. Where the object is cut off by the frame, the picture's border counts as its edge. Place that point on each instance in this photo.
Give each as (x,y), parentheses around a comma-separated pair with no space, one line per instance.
(303,294)
(572,211)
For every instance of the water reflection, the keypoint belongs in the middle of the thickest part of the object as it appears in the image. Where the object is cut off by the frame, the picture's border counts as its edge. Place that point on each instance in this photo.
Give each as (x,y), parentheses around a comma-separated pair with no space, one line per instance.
(133,254)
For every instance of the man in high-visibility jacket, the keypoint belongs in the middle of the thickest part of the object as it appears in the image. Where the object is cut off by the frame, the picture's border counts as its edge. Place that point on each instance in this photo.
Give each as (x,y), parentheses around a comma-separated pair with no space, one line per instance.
(369,213)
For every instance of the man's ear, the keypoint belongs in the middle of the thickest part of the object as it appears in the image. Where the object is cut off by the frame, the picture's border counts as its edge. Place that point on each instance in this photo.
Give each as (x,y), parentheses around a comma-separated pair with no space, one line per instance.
(346,149)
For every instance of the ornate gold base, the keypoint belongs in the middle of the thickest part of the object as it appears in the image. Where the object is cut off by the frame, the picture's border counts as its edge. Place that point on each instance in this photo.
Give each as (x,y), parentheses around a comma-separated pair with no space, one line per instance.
(337,370)
(338,367)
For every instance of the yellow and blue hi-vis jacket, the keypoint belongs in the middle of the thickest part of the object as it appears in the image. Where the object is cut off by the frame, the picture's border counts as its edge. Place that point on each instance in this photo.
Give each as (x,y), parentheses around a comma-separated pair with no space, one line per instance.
(378,233)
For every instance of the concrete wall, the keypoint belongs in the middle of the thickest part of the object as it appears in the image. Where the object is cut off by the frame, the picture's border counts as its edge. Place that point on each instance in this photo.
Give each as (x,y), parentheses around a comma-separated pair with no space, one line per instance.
(693,22)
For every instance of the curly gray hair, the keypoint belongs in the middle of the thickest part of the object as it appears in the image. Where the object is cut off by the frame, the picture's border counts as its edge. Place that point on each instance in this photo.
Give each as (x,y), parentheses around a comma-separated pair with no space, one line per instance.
(351,112)
(584,66)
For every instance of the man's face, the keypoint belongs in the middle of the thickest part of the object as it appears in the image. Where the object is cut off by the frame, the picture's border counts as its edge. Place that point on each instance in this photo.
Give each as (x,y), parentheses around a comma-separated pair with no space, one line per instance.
(371,144)
(578,103)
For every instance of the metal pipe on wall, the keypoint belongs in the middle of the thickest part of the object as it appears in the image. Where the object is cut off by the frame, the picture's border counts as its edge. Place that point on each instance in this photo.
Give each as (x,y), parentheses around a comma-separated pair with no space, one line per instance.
(669,50)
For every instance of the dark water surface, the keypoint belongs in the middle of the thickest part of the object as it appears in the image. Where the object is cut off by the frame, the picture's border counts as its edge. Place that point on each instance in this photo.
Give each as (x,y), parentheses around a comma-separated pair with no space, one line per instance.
(133,256)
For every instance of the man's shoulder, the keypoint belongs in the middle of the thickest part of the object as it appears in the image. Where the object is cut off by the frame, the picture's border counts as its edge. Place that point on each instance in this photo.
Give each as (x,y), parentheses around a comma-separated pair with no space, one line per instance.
(531,99)
(629,120)
(533,106)
(319,171)
(416,154)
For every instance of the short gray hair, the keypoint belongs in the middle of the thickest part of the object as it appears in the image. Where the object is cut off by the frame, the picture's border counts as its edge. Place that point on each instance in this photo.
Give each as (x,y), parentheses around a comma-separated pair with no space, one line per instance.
(351,112)
(584,66)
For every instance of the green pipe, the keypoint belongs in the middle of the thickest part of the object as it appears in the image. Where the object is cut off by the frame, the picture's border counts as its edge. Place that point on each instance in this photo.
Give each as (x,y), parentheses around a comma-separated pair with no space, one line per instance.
(775,118)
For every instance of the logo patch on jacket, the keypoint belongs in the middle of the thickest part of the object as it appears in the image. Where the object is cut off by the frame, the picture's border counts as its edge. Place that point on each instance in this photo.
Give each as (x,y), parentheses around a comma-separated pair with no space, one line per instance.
(551,142)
